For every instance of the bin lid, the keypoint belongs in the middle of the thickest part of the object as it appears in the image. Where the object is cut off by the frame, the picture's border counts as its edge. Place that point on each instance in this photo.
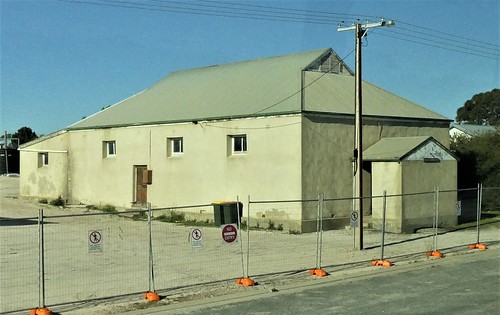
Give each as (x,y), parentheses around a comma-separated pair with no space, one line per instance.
(224,202)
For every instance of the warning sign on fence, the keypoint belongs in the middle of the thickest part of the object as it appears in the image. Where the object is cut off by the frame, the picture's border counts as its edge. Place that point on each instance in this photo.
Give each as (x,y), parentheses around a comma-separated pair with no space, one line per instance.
(459,207)
(196,238)
(229,233)
(95,241)
(354,218)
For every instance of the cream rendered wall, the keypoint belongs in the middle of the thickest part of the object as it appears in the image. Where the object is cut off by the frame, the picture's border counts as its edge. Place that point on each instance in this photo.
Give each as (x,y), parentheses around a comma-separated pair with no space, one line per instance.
(99,180)
(50,181)
(426,177)
(327,148)
(206,172)
(387,177)
(202,174)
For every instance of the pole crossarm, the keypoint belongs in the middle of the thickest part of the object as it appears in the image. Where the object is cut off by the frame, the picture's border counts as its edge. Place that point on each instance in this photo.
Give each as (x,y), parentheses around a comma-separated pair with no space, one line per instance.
(368,25)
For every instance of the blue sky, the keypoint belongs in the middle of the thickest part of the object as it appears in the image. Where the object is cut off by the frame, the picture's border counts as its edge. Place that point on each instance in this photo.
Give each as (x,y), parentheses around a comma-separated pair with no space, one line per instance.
(63,60)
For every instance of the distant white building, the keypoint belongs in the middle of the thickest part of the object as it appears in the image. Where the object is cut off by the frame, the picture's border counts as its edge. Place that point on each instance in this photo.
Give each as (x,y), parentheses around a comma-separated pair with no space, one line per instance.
(466,130)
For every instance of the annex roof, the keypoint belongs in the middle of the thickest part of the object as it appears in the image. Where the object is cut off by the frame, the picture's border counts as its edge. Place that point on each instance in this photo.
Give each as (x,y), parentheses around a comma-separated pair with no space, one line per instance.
(309,81)
(396,149)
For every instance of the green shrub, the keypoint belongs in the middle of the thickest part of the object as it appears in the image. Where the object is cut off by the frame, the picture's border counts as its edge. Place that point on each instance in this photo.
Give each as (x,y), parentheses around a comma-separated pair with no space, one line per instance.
(271,225)
(140,216)
(176,216)
(43,201)
(162,218)
(58,202)
(109,208)
(172,217)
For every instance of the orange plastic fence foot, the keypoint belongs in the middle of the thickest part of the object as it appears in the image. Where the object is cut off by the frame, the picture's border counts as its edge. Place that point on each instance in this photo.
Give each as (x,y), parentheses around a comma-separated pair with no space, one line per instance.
(41,311)
(384,263)
(435,253)
(318,272)
(478,246)
(246,282)
(151,296)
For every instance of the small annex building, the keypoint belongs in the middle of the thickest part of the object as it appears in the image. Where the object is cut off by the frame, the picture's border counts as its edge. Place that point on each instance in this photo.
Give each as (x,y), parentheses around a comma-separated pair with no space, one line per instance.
(409,168)
(278,128)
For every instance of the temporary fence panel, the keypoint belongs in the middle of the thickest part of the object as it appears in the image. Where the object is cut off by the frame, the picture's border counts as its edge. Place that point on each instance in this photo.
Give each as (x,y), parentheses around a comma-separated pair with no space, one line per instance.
(94,256)
(410,224)
(338,236)
(273,248)
(18,264)
(194,254)
(97,255)
(490,199)
(466,205)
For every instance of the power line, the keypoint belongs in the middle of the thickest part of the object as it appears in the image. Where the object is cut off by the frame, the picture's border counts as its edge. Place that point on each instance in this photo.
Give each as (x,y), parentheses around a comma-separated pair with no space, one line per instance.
(444,46)
(281,9)
(187,8)
(496,46)
(415,34)
(441,38)
(249,128)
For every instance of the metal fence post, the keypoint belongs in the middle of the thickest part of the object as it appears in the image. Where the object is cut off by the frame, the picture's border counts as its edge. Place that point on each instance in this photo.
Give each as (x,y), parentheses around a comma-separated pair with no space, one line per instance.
(478,245)
(245,275)
(382,262)
(319,239)
(41,261)
(41,269)
(248,234)
(245,281)
(151,295)
(435,224)
(384,208)
(318,219)
(478,208)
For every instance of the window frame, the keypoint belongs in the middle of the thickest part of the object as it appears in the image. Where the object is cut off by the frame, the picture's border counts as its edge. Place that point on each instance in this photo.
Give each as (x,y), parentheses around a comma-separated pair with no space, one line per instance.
(175,146)
(106,146)
(43,159)
(243,145)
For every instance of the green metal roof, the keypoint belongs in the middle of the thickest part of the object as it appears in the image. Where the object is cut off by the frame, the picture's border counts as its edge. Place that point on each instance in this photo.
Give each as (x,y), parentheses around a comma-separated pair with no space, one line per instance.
(269,86)
(393,149)
(335,93)
(257,87)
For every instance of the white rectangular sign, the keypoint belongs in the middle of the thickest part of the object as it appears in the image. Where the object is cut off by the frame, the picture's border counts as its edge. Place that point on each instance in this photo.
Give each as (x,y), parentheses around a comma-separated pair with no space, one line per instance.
(95,241)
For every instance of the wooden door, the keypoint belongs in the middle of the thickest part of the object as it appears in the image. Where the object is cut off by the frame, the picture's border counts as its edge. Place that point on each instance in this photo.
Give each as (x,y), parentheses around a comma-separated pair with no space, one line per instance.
(141,189)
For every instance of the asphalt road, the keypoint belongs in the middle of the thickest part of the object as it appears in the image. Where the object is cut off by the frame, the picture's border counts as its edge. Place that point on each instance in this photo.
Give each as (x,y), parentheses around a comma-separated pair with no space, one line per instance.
(460,284)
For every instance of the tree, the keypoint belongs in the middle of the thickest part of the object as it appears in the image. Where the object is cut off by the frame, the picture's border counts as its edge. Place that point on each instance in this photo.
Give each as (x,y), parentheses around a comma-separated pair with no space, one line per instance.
(479,162)
(482,109)
(25,134)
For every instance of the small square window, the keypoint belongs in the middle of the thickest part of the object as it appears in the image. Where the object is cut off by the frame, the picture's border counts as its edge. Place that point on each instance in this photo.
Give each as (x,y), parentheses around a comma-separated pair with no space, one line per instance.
(43,159)
(175,146)
(238,144)
(109,149)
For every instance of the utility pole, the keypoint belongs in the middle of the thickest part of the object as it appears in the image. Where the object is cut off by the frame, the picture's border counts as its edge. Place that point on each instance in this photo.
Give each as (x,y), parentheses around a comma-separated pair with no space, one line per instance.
(357,215)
